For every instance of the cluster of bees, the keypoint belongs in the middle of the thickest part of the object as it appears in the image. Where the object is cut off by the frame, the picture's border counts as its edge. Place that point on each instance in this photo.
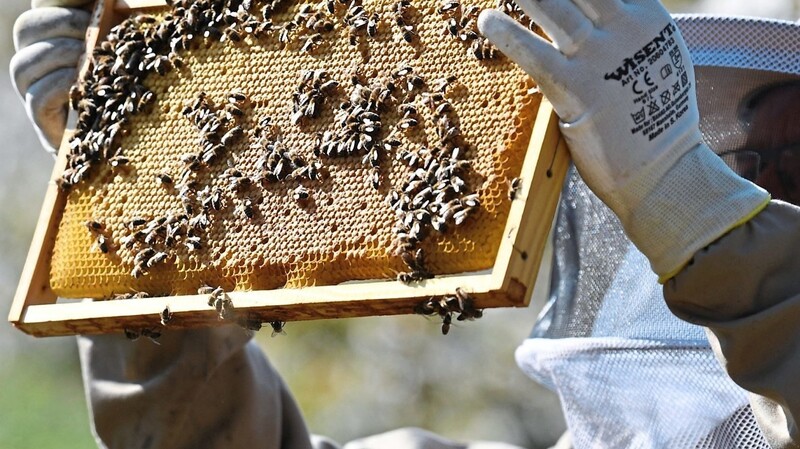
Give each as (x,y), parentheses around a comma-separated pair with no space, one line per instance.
(215,130)
(358,120)
(445,307)
(165,316)
(314,88)
(222,303)
(435,195)
(462,23)
(277,163)
(153,240)
(313,20)
(218,128)
(109,95)
(511,8)
(402,13)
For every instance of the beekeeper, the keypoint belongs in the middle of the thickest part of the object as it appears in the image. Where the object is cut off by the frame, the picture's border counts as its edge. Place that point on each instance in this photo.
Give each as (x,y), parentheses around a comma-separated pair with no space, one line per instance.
(723,248)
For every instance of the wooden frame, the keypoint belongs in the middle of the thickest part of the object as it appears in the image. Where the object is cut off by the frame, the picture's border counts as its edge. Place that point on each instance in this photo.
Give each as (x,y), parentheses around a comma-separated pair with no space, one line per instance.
(36,311)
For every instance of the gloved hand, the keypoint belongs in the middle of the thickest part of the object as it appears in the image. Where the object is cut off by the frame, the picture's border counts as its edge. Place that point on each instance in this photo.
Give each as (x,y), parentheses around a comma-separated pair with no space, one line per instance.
(211,388)
(620,77)
(49,40)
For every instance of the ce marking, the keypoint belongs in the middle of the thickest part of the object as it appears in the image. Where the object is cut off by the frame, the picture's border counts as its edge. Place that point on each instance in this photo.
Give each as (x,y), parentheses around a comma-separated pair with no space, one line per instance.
(647,80)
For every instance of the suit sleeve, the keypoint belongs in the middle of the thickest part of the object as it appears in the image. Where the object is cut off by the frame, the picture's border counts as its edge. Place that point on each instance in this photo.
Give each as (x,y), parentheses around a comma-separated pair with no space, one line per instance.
(745,289)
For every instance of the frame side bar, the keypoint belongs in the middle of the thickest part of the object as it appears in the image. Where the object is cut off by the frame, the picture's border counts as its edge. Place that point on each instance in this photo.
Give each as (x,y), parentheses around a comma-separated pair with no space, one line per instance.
(34,284)
(531,216)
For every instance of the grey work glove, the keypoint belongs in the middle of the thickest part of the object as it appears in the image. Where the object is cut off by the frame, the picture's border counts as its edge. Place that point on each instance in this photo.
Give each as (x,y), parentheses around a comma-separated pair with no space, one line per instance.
(210,388)
(619,75)
(49,40)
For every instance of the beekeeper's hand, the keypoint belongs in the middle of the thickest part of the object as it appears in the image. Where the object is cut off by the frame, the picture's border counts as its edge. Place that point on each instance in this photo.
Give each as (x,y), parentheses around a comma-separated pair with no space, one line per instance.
(49,40)
(620,78)
(211,388)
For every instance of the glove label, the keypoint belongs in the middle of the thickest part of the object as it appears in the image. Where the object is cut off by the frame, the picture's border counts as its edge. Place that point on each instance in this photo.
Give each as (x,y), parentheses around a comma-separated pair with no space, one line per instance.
(653,50)
(657,78)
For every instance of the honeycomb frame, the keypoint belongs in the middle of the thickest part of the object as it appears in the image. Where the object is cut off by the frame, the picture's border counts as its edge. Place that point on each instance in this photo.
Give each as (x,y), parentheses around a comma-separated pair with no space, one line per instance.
(508,283)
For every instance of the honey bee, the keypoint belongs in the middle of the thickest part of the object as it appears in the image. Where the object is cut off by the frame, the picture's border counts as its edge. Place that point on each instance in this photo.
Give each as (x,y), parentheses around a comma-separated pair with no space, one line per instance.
(131,334)
(449,7)
(193,243)
(163,178)
(372,158)
(513,188)
(439,224)
(446,321)
(472,12)
(311,43)
(300,194)
(471,200)
(225,309)
(464,299)
(329,86)
(205,290)
(416,262)
(415,81)
(408,34)
(460,216)
(427,307)
(94,226)
(231,135)
(400,12)
(247,208)
(407,123)
(284,36)
(74,96)
(237,97)
(443,107)
(162,65)
(482,49)
(375,178)
(466,305)
(405,278)
(403,71)
(118,161)
(156,259)
(407,109)
(143,255)
(152,335)
(165,316)
(372,25)
(232,34)
(102,244)
(278,327)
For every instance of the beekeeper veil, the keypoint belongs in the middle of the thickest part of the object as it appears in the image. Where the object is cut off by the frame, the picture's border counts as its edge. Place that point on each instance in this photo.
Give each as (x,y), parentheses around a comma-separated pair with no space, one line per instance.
(630,374)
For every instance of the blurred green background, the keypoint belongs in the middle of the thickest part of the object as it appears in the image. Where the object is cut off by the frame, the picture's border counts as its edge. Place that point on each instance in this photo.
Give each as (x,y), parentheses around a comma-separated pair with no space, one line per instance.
(352,378)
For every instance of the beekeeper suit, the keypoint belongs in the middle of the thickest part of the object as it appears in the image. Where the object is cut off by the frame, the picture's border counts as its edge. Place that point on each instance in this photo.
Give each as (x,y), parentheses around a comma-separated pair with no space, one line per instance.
(601,351)
(723,249)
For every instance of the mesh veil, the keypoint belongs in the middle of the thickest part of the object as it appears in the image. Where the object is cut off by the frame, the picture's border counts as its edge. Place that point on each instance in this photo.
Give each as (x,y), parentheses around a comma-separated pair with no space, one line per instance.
(630,374)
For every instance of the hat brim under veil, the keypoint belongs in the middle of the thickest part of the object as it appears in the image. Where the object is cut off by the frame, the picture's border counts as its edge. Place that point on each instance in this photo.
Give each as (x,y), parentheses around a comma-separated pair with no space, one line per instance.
(629,373)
